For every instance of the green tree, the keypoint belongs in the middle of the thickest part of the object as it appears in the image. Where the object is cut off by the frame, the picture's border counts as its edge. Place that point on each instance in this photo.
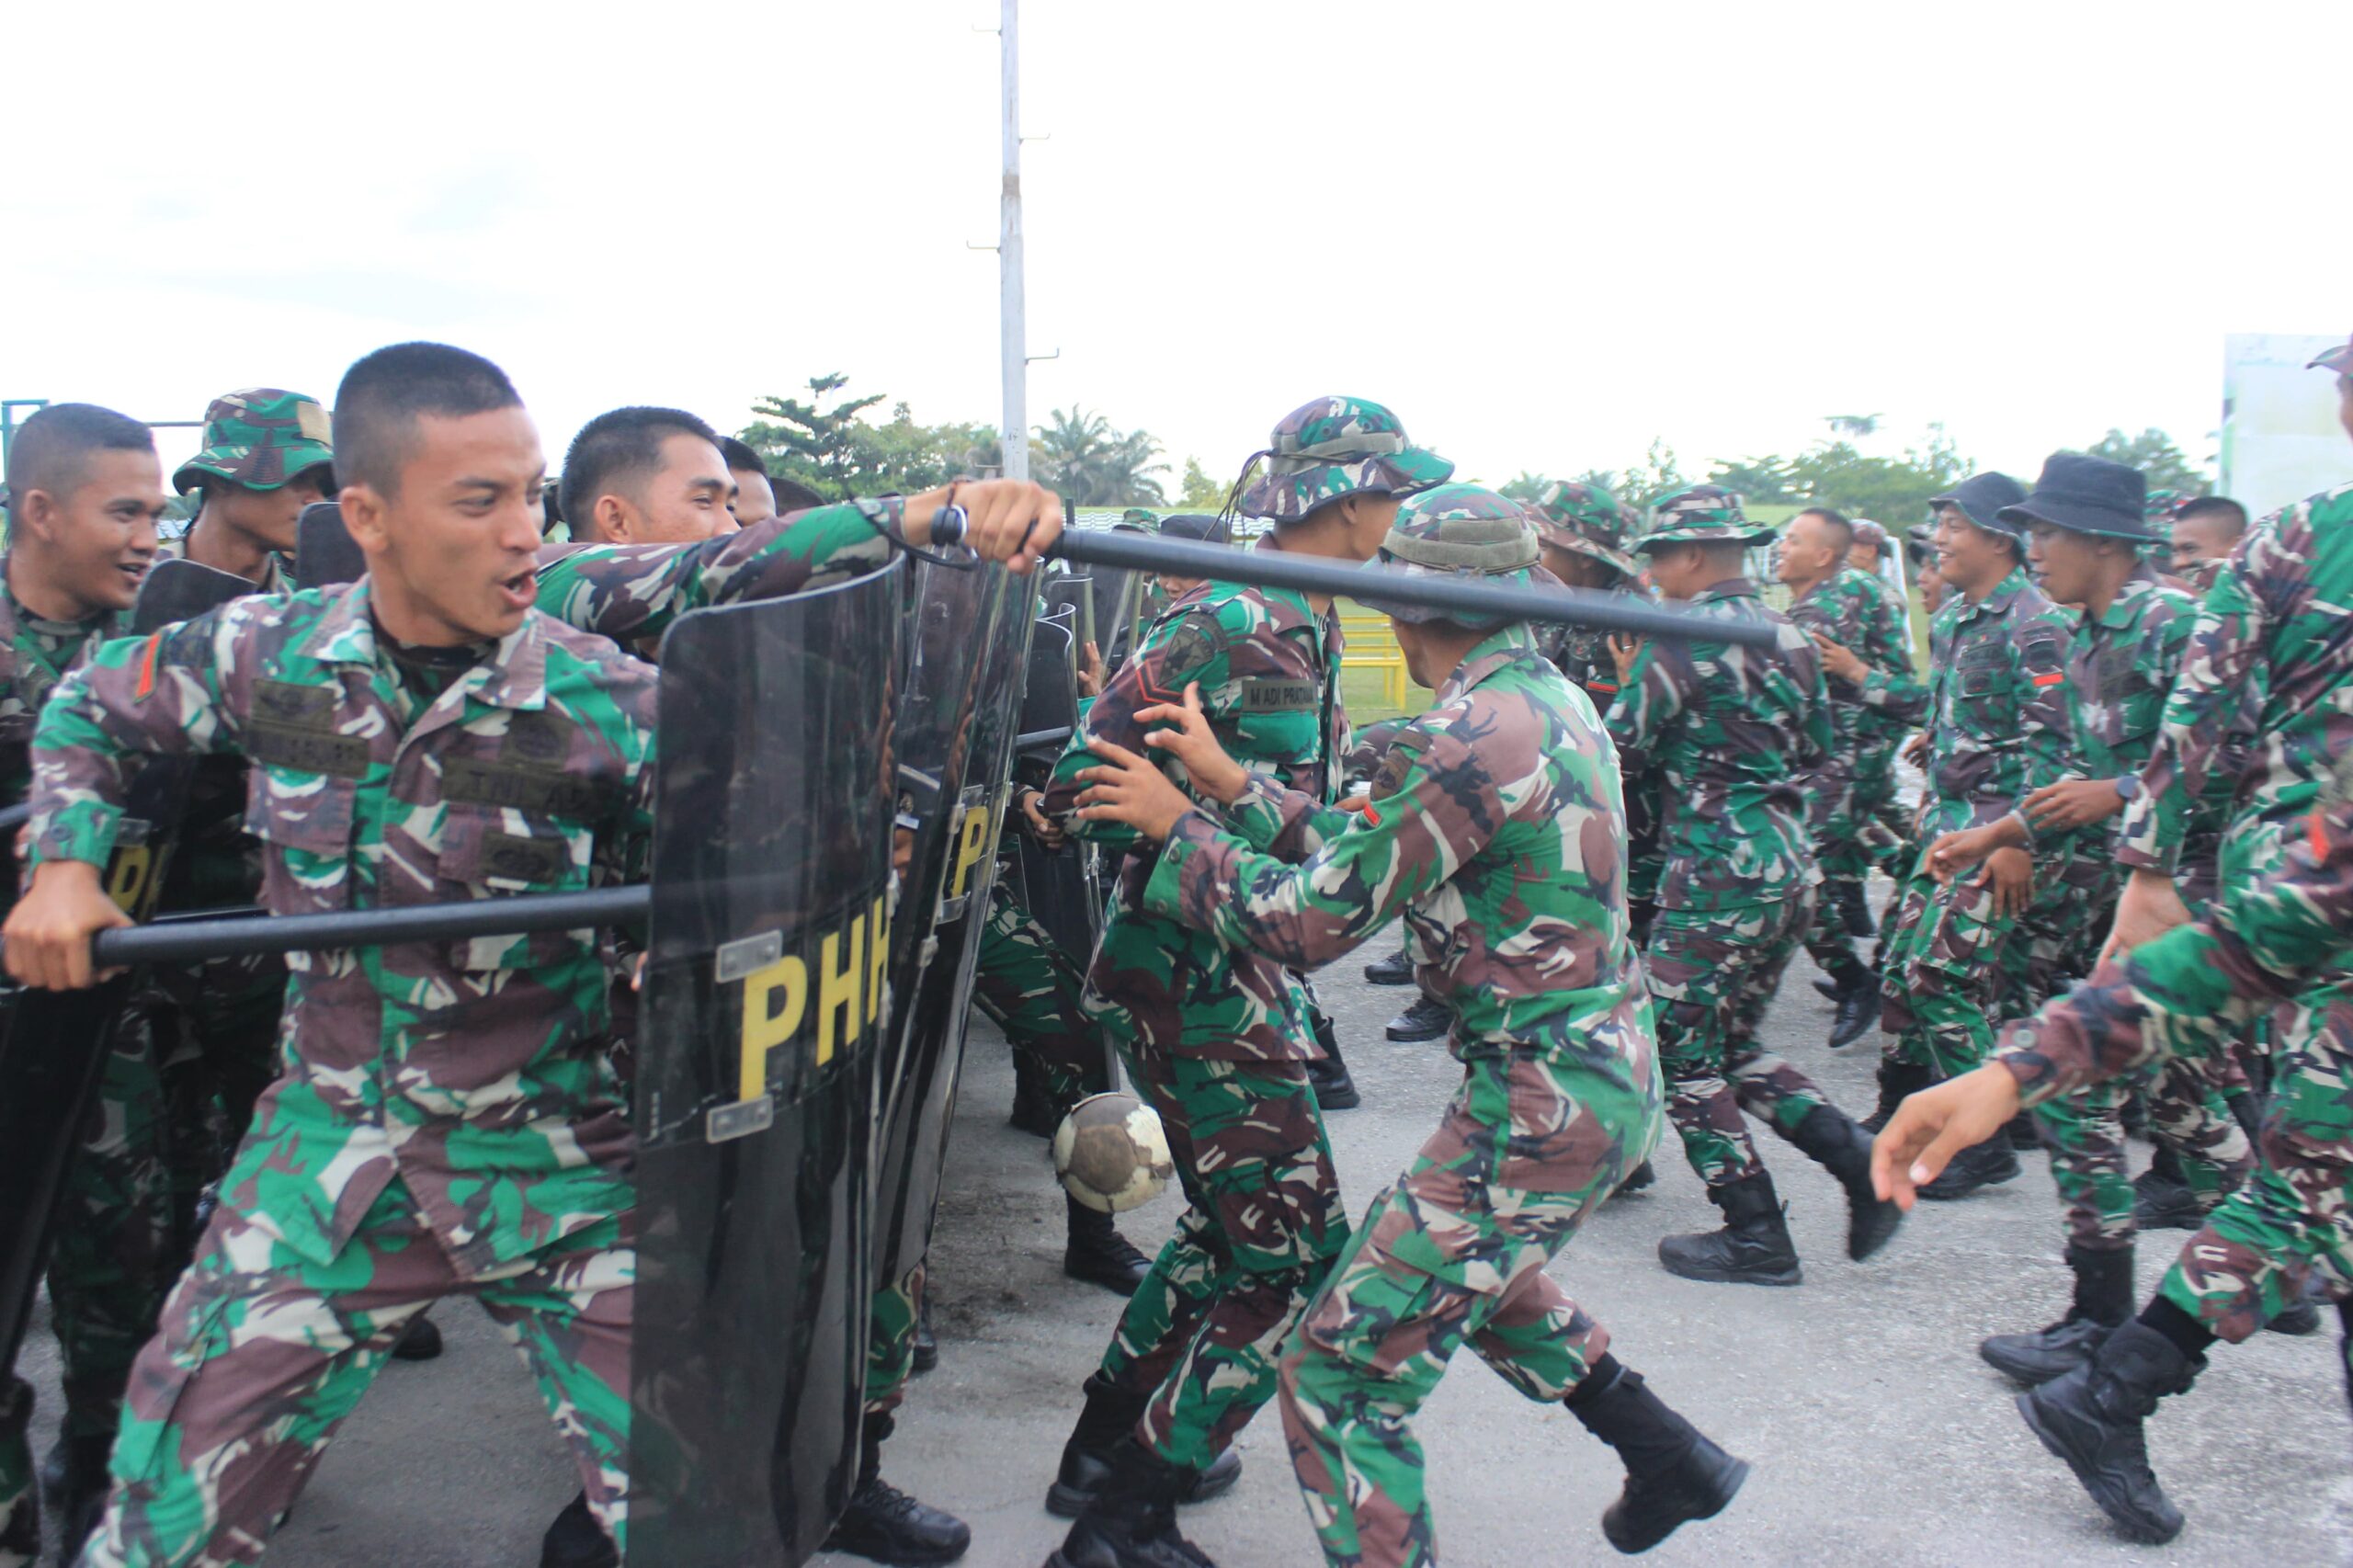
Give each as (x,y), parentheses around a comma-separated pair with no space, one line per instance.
(828,444)
(1756,478)
(1091,465)
(1523,487)
(1201,494)
(2153,452)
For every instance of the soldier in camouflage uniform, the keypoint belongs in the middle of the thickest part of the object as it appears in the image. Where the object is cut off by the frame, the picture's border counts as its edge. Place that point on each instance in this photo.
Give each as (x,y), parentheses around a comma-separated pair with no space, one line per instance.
(1216,1040)
(1495,830)
(2205,532)
(2086,535)
(85,490)
(1735,733)
(266,456)
(1841,608)
(1998,729)
(445,1121)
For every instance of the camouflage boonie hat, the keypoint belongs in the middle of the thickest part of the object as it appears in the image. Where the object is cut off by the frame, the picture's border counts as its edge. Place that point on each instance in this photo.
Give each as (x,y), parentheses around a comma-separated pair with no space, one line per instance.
(1465,532)
(1335,447)
(260,438)
(1864,531)
(1701,514)
(1587,520)
(2339,359)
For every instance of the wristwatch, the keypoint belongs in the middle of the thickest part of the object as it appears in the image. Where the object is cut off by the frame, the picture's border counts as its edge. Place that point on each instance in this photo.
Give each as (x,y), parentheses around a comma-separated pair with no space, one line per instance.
(2128,788)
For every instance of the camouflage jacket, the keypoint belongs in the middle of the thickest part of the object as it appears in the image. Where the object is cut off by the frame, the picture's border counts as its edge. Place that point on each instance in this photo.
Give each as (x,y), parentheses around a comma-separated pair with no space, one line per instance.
(277,570)
(1893,696)
(2271,656)
(1850,608)
(472,1070)
(1268,664)
(1999,724)
(2119,667)
(1495,828)
(1733,733)
(2263,942)
(34,654)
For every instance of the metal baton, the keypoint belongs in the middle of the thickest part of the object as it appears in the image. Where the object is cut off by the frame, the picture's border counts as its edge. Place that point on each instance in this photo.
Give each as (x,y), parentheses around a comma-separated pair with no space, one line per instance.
(1315,574)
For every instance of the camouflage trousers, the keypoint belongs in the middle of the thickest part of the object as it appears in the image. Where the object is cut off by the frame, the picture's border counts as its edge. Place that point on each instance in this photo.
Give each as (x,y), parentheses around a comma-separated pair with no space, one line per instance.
(2084,1132)
(1836,833)
(1453,1254)
(2295,1214)
(1712,974)
(891,1342)
(264,1352)
(188,1057)
(1942,980)
(2061,934)
(1030,988)
(1262,1224)
(1882,824)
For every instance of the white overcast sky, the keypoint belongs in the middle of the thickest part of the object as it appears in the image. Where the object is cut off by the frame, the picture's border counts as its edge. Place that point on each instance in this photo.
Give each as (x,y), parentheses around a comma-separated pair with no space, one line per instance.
(1544,232)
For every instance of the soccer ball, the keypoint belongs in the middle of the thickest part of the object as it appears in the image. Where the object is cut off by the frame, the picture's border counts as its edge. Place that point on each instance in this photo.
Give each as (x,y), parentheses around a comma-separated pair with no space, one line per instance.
(1110,1154)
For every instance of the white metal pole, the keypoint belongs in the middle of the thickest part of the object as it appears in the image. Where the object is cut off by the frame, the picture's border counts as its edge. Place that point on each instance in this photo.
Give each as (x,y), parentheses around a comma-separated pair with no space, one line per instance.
(1013,327)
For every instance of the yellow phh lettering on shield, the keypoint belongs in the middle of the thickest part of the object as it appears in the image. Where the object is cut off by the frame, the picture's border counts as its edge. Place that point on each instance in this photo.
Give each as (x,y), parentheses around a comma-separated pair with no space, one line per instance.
(840,987)
(768,1025)
(971,844)
(877,954)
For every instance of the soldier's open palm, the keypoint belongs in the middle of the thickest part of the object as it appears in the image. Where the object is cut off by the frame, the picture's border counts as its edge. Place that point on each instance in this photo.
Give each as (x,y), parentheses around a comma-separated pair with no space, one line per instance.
(1192,743)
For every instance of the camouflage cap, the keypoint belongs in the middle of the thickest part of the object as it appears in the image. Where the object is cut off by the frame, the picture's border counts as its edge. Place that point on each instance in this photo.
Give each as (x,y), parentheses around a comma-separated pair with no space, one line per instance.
(2162,504)
(1587,520)
(1335,447)
(1701,514)
(2339,359)
(260,438)
(1463,532)
(1139,518)
(1864,531)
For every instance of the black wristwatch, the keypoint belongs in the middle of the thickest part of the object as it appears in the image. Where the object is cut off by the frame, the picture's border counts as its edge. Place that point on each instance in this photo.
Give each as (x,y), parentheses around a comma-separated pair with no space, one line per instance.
(2128,788)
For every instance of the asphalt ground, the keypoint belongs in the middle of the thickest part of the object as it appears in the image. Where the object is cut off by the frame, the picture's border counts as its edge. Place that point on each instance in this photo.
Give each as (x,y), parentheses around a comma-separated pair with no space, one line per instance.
(1877,1436)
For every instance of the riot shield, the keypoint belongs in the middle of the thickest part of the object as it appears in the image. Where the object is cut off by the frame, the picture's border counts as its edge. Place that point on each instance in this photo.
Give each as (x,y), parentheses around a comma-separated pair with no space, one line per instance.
(1069,595)
(985,673)
(762,1015)
(1119,599)
(54,1043)
(324,551)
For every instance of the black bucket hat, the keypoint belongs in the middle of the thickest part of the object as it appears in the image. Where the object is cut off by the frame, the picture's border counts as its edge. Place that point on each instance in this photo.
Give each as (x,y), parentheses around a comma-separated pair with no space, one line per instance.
(1200,525)
(2087,495)
(1982,497)
(2339,359)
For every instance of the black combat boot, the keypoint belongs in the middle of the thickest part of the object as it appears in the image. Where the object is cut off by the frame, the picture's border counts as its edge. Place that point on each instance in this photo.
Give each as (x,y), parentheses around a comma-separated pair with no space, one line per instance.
(1642,1178)
(926,1355)
(2103,1299)
(1897,1080)
(2162,1200)
(1427,1018)
(577,1541)
(1674,1474)
(1855,911)
(1754,1247)
(2025,1134)
(1033,1099)
(1832,1140)
(1098,1254)
(1395,970)
(1334,1090)
(420,1341)
(1132,1522)
(1857,1002)
(1979,1165)
(2092,1419)
(883,1524)
(1109,1415)
(2302,1314)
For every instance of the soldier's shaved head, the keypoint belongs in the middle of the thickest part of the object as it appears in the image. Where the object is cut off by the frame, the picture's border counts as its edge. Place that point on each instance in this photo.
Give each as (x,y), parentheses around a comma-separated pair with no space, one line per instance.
(52,451)
(1836,530)
(618,451)
(383,395)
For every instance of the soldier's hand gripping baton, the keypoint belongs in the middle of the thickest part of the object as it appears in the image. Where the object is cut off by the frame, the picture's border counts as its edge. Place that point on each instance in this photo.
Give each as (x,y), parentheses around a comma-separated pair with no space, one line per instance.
(1273,569)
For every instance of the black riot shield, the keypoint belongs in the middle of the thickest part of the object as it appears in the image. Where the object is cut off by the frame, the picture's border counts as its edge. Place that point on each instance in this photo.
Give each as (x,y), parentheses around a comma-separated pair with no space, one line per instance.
(324,551)
(984,673)
(54,1044)
(762,1013)
(1119,599)
(1056,885)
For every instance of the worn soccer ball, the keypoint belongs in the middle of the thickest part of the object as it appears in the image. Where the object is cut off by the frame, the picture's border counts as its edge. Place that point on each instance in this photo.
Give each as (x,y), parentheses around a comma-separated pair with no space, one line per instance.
(1111,1154)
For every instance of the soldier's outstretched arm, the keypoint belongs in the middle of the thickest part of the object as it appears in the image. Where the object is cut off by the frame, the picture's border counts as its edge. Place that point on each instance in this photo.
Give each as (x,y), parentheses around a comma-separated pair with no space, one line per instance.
(1188,651)
(159,695)
(1443,809)
(635,591)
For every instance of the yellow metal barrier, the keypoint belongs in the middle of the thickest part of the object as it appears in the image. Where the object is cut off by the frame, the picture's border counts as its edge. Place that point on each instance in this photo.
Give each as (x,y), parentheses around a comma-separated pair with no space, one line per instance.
(1367,644)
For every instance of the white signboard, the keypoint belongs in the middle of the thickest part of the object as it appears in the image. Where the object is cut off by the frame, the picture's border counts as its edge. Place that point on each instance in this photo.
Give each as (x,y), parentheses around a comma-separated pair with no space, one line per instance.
(2281,440)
